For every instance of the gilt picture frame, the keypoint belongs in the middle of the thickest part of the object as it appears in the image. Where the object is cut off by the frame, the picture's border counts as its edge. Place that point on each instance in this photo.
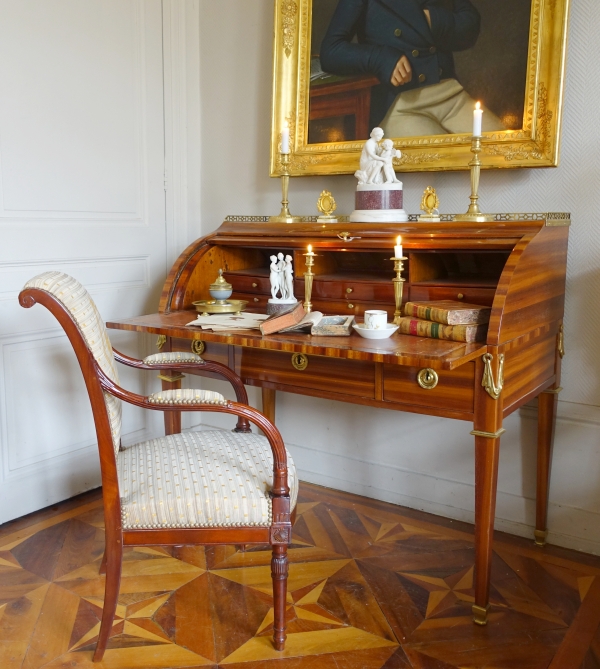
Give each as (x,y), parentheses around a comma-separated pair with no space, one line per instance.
(530,136)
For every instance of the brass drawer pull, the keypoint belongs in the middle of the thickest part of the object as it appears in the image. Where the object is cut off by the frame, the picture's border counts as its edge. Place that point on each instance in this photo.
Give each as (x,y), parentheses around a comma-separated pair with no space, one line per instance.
(350,306)
(460,296)
(427,378)
(299,361)
(256,299)
(198,347)
(349,290)
(254,285)
(345,236)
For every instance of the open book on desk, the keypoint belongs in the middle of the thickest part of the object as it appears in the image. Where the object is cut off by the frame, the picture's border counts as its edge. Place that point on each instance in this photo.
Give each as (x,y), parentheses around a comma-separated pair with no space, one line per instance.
(317,323)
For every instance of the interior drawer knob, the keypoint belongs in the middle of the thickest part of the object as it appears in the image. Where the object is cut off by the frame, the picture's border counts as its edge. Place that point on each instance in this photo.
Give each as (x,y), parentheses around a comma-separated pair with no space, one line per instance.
(254,285)
(460,296)
(428,378)
(349,290)
(299,361)
(256,299)
(350,306)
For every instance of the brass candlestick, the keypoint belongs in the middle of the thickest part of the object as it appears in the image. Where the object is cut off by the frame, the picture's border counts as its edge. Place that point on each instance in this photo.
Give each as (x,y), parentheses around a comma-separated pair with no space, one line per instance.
(398,286)
(284,214)
(473,212)
(308,280)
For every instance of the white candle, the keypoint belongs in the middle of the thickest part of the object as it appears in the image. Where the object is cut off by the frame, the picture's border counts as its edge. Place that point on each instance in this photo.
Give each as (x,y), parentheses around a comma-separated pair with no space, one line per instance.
(477,115)
(310,249)
(398,248)
(285,139)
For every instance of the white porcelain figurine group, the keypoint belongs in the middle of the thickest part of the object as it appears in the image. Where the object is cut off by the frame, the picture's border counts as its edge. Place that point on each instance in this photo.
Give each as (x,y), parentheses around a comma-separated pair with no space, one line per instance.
(281,278)
(375,325)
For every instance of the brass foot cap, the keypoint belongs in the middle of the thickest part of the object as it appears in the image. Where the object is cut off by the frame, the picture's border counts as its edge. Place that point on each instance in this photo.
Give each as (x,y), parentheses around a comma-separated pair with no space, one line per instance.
(540,537)
(480,614)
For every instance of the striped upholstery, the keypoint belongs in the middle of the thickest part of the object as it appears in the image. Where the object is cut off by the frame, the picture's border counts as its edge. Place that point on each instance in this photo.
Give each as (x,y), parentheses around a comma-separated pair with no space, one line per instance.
(79,304)
(175,356)
(187,396)
(199,479)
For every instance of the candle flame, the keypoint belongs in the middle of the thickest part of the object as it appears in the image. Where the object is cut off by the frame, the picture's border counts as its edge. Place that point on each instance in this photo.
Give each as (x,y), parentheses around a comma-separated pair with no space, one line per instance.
(478,105)
(310,248)
(399,240)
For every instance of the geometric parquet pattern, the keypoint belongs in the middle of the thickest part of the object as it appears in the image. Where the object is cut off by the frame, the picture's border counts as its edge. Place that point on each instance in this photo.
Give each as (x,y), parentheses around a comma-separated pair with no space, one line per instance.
(371,586)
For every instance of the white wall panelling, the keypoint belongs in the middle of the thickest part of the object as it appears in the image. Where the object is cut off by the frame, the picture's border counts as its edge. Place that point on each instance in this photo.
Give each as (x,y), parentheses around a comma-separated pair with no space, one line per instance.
(424,463)
(82,156)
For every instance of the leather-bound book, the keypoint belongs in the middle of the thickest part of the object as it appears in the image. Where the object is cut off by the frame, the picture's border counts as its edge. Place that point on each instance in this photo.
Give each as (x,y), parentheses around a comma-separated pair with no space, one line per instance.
(448,312)
(280,321)
(421,328)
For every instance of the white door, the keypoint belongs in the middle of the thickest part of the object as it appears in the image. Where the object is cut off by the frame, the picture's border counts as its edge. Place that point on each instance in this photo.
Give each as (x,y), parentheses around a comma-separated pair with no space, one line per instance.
(81,191)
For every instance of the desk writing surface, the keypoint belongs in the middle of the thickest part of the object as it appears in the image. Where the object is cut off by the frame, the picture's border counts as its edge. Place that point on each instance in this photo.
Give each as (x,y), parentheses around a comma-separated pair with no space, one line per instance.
(398,349)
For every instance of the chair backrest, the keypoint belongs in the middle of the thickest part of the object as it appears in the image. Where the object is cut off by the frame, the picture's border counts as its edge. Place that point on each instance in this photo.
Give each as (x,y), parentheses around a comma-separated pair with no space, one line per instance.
(77,301)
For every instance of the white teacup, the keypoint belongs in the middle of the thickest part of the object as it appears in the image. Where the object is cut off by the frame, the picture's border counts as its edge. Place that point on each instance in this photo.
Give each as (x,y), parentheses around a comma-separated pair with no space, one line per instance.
(375,319)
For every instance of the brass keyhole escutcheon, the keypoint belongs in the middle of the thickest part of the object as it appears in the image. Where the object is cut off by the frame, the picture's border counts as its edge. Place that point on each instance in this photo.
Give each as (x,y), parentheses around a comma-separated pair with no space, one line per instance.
(427,378)
(198,347)
(299,361)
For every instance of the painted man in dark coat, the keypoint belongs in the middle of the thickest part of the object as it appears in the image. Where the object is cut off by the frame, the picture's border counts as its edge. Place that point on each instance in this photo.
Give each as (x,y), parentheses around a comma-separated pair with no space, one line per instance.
(408,45)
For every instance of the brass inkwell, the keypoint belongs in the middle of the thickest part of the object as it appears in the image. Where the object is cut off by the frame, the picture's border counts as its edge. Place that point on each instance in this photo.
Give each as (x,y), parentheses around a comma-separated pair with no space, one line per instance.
(220,291)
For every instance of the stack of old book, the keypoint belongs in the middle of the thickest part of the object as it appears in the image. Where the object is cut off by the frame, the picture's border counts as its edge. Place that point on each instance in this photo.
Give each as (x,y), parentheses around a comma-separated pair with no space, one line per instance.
(445,319)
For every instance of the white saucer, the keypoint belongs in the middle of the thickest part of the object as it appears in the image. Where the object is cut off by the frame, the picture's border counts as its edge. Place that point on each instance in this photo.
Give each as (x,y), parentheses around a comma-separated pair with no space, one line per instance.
(382,333)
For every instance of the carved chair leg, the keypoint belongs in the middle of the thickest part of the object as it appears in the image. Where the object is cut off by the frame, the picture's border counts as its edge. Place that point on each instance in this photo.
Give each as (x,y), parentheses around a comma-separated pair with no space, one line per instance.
(279,574)
(114,559)
(102,569)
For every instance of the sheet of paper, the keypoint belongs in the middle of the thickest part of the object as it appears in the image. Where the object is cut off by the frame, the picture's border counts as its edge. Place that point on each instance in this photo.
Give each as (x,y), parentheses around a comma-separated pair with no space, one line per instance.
(225,322)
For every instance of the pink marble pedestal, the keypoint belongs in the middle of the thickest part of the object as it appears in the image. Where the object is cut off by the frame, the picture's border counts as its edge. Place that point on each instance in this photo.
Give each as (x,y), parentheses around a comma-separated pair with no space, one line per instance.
(379,203)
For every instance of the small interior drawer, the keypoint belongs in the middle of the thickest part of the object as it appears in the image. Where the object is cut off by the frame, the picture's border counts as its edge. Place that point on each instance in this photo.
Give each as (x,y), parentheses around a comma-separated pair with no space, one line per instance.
(454,390)
(344,377)
(367,291)
(482,296)
(247,283)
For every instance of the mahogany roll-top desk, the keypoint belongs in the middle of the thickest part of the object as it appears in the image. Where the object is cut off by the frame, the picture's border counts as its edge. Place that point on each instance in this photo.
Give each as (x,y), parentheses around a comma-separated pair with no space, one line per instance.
(516,265)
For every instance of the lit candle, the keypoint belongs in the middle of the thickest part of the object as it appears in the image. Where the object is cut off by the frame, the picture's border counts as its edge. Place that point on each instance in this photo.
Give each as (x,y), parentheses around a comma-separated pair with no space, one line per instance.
(398,248)
(285,139)
(477,114)
(310,250)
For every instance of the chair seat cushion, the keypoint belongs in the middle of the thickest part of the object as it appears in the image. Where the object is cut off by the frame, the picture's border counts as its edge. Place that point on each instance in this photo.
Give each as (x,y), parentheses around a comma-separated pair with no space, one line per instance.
(199,479)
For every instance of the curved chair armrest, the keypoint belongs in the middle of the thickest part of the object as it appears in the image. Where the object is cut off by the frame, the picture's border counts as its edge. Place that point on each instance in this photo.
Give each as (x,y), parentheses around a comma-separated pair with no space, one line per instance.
(166,401)
(190,361)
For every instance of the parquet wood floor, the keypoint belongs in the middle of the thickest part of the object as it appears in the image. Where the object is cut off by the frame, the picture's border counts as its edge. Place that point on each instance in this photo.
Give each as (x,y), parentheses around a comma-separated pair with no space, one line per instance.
(372,586)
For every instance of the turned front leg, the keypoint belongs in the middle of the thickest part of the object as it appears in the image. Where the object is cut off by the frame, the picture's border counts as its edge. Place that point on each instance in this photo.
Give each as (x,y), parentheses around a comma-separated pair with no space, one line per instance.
(487,431)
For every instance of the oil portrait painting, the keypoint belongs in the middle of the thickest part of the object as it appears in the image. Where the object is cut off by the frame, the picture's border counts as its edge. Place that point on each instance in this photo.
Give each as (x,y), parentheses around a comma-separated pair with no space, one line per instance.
(416,68)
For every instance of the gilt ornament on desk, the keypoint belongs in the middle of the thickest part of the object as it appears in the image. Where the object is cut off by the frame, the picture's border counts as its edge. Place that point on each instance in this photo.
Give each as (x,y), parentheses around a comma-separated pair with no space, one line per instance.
(379,196)
(429,204)
(281,278)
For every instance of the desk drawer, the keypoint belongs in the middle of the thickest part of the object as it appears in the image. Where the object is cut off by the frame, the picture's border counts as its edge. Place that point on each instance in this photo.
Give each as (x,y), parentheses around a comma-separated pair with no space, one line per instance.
(483,296)
(212,351)
(454,390)
(344,377)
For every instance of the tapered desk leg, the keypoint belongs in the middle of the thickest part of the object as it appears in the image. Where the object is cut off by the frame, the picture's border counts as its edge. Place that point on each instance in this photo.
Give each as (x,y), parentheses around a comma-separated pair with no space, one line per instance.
(268,403)
(547,402)
(487,432)
(171,380)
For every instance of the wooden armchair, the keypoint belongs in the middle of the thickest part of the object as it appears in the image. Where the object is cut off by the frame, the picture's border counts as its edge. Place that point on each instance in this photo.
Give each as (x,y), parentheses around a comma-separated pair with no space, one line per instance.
(209,487)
